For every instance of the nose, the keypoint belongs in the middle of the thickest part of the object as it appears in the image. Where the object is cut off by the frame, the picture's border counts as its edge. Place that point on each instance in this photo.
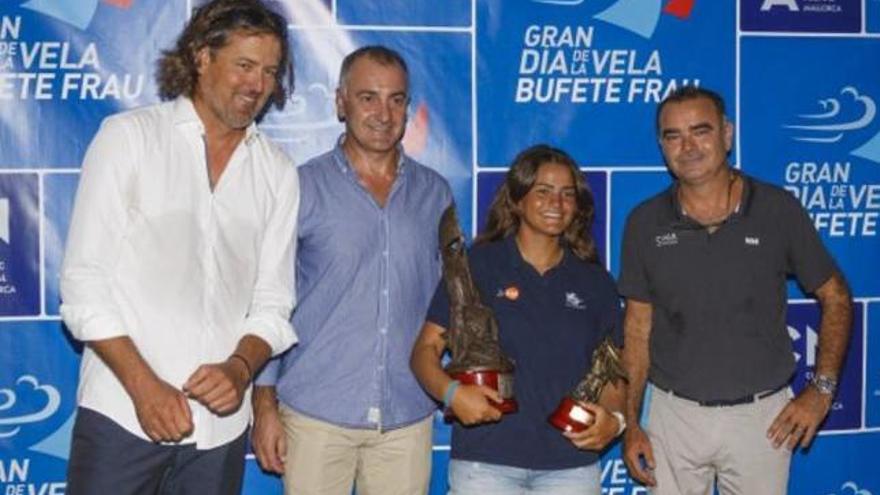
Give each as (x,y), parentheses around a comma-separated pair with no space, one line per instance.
(383,112)
(258,82)
(688,142)
(555,198)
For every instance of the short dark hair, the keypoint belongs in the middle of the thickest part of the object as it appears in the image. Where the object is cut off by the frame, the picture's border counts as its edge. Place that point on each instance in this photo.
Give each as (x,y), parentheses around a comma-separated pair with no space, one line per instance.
(687,93)
(211,26)
(377,53)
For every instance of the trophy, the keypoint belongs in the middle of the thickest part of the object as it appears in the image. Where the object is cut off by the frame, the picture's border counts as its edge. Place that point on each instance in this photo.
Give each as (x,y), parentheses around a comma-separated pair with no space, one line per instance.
(472,337)
(571,415)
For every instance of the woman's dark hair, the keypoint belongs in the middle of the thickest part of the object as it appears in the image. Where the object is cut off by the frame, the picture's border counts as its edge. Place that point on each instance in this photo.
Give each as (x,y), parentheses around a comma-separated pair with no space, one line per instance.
(504,215)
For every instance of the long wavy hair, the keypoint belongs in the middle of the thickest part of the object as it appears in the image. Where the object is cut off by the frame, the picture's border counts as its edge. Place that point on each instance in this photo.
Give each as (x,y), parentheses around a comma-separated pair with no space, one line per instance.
(211,26)
(504,215)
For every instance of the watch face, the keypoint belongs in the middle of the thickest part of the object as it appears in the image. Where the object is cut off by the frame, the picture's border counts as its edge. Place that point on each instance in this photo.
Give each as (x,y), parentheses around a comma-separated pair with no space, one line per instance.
(824,384)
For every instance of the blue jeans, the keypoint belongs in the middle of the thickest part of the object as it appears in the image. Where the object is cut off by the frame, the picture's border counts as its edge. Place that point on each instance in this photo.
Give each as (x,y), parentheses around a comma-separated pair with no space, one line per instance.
(477,478)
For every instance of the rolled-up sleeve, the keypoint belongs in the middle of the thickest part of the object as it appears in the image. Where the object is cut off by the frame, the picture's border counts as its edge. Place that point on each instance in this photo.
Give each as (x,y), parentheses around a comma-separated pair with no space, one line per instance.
(97,229)
(274,291)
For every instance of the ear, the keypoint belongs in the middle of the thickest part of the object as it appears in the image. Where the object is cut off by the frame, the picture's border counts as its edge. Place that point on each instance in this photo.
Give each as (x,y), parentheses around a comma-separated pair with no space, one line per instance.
(728,135)
(202,58)
(340,105)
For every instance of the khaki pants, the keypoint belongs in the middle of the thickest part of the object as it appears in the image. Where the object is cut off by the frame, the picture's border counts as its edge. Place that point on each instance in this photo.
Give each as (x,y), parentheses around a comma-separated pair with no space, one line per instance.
(324,459)
(693,445)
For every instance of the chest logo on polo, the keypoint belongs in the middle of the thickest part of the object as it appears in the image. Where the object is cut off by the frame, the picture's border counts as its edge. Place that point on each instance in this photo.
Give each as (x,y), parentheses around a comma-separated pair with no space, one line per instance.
(511,293)
(668,239)
(573,301)
(753,241)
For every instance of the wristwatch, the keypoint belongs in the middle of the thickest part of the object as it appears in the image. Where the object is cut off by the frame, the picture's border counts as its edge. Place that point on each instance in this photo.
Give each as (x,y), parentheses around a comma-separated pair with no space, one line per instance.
(826,385)
(621,422)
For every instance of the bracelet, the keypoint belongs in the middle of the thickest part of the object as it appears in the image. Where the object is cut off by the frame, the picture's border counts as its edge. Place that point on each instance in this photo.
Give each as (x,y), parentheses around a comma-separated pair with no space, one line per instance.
(247,365)
(450,392)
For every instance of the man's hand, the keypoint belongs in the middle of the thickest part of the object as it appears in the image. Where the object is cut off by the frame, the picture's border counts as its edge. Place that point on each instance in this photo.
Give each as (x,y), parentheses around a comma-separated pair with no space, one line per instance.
(162,410)
(638,455)
(600,433)
(800,419)
(472,404)
(268,436)
(219,386)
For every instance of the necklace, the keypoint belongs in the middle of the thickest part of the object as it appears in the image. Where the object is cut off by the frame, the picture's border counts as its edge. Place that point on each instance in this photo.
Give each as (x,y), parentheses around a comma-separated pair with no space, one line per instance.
(715,221)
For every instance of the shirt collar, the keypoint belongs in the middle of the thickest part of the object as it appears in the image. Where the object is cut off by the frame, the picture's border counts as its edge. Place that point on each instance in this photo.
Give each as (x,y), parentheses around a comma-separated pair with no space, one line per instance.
(341,160)
(517,261)
(674,209)
(184,114)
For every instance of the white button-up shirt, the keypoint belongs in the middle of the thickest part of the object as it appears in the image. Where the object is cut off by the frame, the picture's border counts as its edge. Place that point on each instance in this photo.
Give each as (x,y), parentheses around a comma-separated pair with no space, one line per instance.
(154,254)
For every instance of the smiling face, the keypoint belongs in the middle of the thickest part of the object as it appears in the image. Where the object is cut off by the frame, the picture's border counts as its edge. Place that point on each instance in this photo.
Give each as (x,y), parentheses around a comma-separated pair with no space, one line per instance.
(550,205)
(236,81)
(695,140)
(373,103)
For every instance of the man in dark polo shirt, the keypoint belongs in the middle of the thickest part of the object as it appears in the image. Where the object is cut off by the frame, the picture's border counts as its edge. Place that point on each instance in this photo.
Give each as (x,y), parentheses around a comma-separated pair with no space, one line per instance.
(703,271)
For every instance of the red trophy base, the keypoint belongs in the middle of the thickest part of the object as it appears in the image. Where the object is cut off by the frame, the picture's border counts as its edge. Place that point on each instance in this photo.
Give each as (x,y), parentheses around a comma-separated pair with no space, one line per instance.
(571,416)
(494,379)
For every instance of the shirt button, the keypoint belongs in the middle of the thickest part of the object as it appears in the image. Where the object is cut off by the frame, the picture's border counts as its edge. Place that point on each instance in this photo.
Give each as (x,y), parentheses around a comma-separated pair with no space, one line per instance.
(385,292)
(385,253)
(383,330)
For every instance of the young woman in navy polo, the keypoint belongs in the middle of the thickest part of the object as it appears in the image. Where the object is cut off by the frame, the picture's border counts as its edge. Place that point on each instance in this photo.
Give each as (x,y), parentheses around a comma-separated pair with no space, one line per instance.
(536,267)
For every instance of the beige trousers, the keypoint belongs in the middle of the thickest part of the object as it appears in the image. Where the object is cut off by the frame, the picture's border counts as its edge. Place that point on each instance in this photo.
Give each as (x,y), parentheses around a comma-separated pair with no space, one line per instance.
(324,459)
(696,446)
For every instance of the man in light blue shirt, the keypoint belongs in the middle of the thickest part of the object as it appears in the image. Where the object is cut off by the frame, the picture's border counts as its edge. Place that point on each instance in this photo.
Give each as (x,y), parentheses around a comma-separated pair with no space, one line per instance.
(342,407)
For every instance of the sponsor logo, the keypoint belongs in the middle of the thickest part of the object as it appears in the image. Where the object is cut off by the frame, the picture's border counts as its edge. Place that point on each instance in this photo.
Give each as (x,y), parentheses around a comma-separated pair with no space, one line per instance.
(839,205)
(668,239)
(510,293)
(570,63)
(802,15)
(573,301)
(788,4)
(851,488)
(28,384)
(64,66)
(752,241)
(802,321)
(638,16)
(830,123)
(78,13)
(808,5)
(616,479)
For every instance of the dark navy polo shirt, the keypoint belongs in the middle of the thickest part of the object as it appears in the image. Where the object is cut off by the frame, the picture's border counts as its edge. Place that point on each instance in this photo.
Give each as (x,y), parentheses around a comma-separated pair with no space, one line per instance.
(550,330)
(718,327)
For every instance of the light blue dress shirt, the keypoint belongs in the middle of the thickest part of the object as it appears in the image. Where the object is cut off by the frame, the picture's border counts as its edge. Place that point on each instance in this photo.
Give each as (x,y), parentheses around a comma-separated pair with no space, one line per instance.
(365,275)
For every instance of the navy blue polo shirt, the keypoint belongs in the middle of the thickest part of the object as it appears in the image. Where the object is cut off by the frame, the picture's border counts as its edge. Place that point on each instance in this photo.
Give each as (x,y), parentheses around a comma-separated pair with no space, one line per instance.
(550,330)
(718,328)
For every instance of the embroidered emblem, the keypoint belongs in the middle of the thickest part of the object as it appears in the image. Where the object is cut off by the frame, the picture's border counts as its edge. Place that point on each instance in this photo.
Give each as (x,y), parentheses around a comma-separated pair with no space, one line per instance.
(753,241)
(669,239)
(573,301)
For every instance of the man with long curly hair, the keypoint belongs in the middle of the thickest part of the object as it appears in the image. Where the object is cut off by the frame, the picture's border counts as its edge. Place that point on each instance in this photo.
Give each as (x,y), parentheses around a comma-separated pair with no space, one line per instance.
(177,275)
